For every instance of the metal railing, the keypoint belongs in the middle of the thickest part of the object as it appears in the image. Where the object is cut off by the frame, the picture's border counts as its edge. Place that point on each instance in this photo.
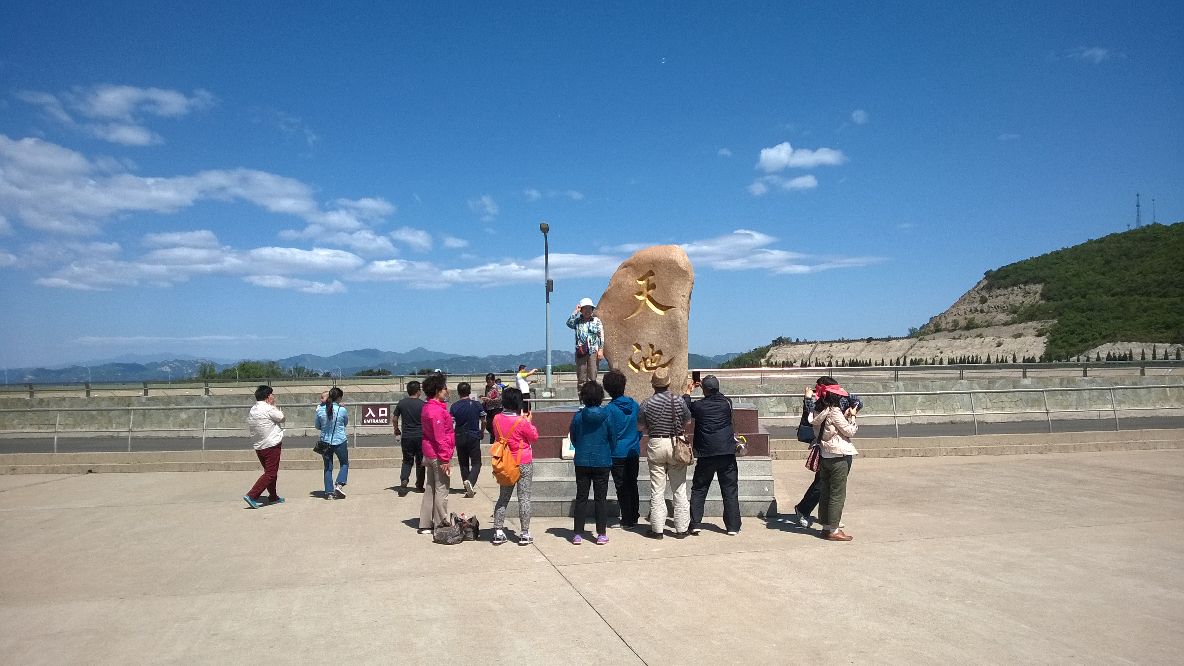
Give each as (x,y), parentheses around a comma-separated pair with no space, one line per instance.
(761,374)
(885,405)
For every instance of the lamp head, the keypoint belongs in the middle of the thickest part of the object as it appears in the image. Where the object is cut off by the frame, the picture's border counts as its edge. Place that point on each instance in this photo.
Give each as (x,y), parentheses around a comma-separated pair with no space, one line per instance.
(544,227)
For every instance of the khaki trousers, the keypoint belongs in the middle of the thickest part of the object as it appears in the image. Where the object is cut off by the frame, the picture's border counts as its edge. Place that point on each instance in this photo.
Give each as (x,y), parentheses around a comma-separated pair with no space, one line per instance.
(662,470)
(587,369)
(433,510)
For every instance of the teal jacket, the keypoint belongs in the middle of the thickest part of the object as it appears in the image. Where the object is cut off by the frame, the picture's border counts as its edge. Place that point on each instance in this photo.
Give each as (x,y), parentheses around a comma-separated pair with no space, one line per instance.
(622,419)
(591,437)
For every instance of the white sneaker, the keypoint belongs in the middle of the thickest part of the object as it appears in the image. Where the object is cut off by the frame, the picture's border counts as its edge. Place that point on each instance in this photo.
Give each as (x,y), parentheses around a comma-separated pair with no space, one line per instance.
(731,534)
(499,537)
(469,488)
(804,521)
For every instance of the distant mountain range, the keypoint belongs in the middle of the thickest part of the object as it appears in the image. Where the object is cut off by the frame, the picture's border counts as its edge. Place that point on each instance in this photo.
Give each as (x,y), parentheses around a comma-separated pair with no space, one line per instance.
(345,364)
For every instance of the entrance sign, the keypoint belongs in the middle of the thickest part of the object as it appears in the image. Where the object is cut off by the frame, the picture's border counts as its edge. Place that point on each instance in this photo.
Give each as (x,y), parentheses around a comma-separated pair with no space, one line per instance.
(376,415)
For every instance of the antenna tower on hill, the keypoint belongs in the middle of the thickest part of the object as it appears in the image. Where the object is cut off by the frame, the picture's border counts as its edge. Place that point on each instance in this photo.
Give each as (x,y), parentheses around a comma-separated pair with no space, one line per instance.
(1138,212)
(1154,219)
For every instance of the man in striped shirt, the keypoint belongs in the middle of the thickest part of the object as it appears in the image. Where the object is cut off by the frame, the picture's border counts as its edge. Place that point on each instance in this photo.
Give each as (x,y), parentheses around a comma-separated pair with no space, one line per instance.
(664,415)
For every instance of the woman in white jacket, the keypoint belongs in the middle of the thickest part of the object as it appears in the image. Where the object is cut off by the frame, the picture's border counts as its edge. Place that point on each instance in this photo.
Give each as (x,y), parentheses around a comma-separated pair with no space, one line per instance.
(835,429)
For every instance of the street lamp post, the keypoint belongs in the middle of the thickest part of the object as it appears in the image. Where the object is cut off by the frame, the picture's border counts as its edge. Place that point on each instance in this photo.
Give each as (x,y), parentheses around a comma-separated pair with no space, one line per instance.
(549,287)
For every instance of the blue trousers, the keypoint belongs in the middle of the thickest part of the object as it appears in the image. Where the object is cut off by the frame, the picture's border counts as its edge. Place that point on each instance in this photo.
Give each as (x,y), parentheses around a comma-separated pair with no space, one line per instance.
(342,453)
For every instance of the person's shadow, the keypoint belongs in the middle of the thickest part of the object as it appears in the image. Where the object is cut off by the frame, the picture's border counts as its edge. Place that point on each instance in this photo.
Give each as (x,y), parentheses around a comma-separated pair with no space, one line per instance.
(565,533)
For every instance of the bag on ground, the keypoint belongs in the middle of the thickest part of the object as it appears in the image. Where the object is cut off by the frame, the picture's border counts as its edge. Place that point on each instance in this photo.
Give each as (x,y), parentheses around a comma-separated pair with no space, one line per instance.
(505,464)
(470,527)
(450,533)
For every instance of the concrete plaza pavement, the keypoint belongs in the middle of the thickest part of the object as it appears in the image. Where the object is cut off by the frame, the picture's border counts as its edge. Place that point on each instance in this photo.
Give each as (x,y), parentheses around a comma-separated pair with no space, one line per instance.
(993,559)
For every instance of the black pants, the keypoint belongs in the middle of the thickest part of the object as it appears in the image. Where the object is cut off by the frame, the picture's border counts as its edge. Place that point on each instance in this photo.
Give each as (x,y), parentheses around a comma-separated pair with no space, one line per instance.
(468,454)
(810,499)
(489,423)
(813,493)
(412,455)
(597,477)
(729,487)
(625,479)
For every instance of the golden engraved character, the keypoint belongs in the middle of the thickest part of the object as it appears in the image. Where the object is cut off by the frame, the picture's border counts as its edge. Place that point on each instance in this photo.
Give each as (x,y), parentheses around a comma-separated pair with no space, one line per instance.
(646,363)
(645,296)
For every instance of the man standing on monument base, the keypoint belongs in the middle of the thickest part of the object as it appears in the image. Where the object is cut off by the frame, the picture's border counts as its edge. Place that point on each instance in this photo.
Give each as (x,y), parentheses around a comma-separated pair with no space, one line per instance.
(589,341)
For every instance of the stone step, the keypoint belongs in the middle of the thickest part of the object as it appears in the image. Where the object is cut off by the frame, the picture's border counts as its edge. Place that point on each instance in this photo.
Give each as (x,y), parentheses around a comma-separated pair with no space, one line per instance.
(712,508)
(564,469)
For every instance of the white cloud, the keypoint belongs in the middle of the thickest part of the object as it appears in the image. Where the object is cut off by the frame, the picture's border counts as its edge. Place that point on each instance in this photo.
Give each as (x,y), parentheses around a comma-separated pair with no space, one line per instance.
(784,155)
(115,113)
(199,238)
(5,227)
(454,243)
(416,239)
(859,117)
(287,123)
(724,152)
(287,260)
(47,187)
(762,185)
(305,286)
(806,182)
(1092,54)
(533,194)
(7,259)
(484,206)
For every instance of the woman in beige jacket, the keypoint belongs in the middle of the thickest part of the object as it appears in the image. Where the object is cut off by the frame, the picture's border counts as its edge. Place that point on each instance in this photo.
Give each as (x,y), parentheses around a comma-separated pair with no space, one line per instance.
(834,428)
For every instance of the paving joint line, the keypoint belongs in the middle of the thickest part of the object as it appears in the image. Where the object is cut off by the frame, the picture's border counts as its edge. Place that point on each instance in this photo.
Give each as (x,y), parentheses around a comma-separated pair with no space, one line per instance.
(590,604)
(41,483)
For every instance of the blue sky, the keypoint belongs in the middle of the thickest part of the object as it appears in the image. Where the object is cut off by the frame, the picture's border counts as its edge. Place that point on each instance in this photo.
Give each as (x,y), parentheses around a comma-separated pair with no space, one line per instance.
(249,180)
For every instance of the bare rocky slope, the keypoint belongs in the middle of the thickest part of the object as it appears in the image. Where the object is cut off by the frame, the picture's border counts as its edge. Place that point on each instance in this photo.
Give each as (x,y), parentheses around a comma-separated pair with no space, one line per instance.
(981,324)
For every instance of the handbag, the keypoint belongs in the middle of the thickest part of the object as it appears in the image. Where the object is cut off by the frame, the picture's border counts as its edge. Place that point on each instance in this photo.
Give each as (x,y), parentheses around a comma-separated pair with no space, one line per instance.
(815,454)
(681,452)
(805,430)
(741,445)
(323,447)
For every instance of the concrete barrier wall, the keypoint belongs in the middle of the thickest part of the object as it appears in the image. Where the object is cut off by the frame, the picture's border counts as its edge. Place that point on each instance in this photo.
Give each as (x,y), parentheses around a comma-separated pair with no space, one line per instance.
(225,414)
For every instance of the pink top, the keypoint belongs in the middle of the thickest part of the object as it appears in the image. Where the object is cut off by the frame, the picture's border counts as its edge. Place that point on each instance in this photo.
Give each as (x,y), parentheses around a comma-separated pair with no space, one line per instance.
(520,438)
(439,439)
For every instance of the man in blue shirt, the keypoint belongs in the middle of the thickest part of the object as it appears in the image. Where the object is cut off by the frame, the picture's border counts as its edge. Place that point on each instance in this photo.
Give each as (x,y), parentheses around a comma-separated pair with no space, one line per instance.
(467,413)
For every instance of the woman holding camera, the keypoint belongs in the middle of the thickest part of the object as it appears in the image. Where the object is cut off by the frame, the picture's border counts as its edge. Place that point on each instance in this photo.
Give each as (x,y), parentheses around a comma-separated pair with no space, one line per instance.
(834,427)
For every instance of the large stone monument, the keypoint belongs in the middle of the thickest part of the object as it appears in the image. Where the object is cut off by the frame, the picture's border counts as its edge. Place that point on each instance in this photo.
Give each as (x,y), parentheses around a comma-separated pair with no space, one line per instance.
(646,310)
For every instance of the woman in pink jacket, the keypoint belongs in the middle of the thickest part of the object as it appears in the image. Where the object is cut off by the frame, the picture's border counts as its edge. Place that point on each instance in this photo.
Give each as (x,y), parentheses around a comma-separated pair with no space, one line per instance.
(439,442)
(516,425)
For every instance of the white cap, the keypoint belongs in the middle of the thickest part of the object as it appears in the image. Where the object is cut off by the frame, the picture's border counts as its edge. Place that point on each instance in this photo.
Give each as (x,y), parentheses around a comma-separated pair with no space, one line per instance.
(586,302)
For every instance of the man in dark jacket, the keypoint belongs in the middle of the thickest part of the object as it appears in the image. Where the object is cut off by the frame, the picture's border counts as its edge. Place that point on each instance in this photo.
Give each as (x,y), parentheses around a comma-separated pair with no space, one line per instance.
(715,453)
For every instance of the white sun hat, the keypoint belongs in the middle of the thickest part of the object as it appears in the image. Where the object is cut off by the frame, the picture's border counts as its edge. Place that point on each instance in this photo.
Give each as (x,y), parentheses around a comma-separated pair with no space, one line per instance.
(586,302)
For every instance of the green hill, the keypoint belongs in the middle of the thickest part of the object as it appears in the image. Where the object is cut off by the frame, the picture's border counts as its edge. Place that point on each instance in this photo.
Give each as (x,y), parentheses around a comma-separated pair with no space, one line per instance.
(1123,287)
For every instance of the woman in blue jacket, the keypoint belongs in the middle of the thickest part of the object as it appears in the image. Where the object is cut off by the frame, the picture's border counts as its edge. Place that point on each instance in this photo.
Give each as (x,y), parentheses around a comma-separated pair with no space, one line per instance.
(592,439)
(332,420)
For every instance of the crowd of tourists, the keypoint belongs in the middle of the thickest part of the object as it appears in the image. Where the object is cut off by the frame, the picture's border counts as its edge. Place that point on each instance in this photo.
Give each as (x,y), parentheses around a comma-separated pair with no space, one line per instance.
(605,438)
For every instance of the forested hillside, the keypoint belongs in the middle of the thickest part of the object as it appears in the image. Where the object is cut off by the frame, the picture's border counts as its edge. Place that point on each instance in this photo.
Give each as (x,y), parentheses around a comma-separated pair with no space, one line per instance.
(1125,286)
